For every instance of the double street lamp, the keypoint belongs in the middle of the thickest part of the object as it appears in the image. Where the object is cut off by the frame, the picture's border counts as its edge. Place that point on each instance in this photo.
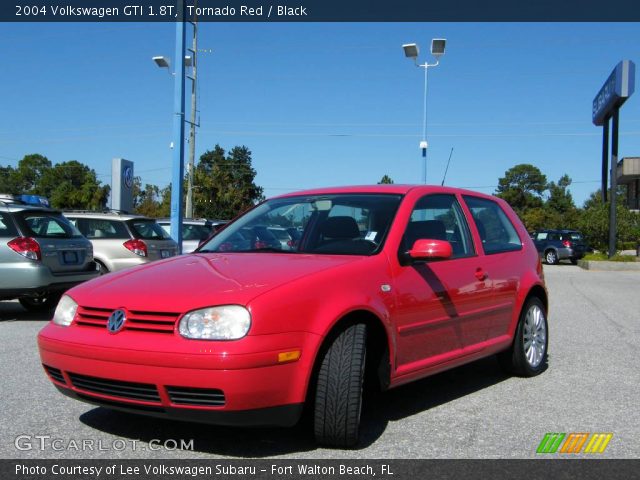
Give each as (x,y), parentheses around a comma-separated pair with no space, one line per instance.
(411,50)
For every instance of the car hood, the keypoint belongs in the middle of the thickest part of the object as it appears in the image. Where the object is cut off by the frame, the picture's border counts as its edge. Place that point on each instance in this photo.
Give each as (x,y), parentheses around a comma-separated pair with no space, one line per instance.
(188,282)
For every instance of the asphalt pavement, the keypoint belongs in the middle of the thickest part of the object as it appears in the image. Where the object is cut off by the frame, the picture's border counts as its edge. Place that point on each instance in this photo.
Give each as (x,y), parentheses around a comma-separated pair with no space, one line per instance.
(476,411)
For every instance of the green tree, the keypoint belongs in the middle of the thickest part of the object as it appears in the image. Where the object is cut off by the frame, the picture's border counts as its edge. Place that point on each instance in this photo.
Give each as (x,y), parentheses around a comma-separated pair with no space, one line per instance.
(29,173)
(7,180)
(522,187)
(147,200)
(224,185)
(386,179)
(72,185)
(593,221)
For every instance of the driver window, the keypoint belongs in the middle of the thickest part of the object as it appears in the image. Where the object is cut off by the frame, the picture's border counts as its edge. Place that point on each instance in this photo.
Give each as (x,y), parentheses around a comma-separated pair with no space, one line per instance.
(439,217)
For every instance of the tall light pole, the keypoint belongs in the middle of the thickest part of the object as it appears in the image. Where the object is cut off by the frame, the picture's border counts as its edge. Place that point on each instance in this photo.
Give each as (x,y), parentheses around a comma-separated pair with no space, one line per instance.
(411,50)
(189,61)
(192,130)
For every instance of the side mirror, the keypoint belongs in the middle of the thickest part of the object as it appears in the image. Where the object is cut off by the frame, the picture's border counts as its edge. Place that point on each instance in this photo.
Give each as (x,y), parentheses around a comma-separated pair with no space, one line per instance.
(425,249)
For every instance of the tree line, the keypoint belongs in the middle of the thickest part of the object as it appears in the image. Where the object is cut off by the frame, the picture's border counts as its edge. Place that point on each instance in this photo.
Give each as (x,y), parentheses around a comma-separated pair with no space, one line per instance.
(544,204)
(224,186)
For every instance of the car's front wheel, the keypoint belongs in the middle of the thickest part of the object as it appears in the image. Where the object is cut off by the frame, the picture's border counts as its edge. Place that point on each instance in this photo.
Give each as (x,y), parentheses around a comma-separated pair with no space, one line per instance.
(528,353)
(338,396)
(40,303)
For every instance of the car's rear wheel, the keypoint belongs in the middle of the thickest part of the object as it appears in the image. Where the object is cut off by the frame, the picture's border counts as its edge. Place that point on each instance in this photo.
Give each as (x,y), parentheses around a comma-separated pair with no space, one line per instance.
(40,303)
(551,257)
(574,261)
(339,385)
(527,356)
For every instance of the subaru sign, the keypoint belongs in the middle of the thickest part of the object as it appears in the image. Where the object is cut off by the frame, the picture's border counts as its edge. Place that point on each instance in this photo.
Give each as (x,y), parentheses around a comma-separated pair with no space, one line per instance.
(615,91)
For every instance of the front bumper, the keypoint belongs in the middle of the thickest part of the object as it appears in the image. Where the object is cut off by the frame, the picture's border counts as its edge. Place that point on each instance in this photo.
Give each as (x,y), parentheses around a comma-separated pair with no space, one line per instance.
(250,385)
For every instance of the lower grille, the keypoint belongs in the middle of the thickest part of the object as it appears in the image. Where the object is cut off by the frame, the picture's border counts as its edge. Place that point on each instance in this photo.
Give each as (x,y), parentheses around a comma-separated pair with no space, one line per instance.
(54,373)
(206,397)
(116,388)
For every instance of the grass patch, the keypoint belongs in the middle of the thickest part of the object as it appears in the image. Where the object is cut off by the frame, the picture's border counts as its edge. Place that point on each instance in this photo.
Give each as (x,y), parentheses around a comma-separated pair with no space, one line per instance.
(604,257)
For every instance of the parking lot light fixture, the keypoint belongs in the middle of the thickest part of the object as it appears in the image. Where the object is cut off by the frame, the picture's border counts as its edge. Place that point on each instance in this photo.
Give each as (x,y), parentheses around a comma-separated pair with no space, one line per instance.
(411,50)
(162,62)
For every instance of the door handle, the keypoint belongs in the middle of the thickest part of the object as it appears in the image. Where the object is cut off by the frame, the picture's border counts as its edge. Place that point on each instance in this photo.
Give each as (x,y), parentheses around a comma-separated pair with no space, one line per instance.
(481,275)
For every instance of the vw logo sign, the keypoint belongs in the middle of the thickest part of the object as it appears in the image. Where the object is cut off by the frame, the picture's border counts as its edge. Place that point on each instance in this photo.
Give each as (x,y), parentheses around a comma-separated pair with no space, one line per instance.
(128,177)
(116,321)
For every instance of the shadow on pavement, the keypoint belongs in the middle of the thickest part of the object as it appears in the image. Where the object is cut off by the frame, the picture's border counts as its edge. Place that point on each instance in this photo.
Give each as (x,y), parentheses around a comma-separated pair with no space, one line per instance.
(13,311)
(379,410)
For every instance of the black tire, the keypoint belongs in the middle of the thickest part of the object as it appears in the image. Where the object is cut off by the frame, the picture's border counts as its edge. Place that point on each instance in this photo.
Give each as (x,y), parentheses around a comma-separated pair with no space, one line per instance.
(574,261)
(40,303)
(339,385)
(515,360)
(551,257)
(102,268)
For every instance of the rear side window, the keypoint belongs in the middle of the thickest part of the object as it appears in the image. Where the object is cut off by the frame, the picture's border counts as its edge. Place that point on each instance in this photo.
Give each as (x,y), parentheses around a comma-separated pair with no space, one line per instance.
(48,225)
(97,228)
(496,230)
(148,230)
(7,228)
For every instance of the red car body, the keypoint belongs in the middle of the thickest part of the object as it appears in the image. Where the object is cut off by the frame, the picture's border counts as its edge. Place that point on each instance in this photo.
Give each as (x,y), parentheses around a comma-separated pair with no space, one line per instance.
(424,318)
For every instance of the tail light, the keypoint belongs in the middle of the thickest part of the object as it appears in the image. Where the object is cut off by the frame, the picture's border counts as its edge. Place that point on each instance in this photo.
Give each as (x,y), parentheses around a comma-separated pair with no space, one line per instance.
(292,243)
(136,246)
(261,244)
(27,247)
(566,243)
(539,269)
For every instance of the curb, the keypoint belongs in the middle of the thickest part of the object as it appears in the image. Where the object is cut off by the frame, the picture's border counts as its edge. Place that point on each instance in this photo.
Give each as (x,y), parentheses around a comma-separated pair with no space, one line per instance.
(609,266)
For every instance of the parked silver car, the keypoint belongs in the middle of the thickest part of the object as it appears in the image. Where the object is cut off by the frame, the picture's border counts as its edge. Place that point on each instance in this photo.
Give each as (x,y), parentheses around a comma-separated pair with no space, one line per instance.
(41,254)
(123,240)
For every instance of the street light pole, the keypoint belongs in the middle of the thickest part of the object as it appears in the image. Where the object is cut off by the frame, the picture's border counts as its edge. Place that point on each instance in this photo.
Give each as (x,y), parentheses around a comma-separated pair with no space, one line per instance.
(178,130)
(411,51)
(192,130)
(423,143)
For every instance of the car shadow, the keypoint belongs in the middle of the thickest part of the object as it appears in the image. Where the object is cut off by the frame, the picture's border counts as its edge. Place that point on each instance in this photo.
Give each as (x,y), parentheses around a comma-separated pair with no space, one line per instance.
(379,410)
(13,311)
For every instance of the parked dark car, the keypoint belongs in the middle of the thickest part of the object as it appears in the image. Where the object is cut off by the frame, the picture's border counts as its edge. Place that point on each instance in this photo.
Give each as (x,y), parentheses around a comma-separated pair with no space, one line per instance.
(556,245)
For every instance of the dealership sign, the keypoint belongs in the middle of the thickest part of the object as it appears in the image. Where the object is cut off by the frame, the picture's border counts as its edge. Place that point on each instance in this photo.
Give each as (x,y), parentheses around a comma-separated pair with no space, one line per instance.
(615,91)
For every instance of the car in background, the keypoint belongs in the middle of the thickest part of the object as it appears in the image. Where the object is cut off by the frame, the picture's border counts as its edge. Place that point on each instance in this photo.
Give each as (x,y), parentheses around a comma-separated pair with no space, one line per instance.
(554,245)
(388,284)
(41,254)
(194,230)
(122,240)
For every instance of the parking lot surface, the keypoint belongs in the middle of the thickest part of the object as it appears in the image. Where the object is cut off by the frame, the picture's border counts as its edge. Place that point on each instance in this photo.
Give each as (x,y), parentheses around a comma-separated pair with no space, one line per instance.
(475,411)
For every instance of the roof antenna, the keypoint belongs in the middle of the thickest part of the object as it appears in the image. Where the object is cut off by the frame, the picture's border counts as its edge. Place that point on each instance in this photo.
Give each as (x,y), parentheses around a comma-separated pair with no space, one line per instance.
(447,169)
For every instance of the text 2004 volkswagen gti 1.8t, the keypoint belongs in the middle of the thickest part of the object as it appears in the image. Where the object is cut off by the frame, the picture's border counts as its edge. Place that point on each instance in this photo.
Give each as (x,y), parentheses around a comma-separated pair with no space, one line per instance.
(384,284)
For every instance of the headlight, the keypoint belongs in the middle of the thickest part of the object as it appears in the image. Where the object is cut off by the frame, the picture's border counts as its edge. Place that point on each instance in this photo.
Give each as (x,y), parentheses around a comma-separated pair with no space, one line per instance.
(65,311)
(227,322)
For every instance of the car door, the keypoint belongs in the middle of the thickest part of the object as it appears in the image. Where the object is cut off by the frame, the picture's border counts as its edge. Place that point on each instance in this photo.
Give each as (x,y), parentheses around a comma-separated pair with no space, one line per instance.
(440,305)
(502,252)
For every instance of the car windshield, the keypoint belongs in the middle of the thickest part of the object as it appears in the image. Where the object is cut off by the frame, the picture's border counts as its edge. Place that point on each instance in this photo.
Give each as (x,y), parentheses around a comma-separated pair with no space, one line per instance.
(339,224)
(148,230)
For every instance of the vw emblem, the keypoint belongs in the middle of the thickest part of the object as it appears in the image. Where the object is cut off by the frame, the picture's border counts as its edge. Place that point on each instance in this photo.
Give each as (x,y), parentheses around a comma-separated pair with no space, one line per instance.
(116,321)
(128,177)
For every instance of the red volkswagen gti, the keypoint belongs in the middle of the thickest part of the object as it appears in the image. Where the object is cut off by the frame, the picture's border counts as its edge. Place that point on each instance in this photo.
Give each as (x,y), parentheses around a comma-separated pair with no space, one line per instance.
(386,284)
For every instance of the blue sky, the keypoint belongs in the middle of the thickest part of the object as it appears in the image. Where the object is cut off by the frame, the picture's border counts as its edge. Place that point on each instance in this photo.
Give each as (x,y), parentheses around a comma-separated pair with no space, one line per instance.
(321,104)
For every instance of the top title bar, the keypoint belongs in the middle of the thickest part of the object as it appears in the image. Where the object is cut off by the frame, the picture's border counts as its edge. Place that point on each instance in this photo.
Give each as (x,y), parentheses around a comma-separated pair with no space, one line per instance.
(320,11)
